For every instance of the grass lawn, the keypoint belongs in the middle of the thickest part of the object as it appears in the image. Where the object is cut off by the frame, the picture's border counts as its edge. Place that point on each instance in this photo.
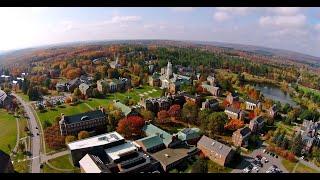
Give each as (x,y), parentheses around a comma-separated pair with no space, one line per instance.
(133,94)
(288,165)
(23,96)
(216,168)
(67,110)
(8,131)
(21,167)
(62,162)
(305,169)
(282,126)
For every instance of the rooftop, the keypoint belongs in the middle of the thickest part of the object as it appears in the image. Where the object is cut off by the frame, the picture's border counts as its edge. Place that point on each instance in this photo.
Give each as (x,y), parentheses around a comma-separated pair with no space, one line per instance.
(92,164)
(4,160)
(214,146)
(244,131)
(125,109)
(117,151)
(168,156)
(83,116)
(150,141)
(259,119)
(188,133)
(152,130)
(232,109)
(102,139)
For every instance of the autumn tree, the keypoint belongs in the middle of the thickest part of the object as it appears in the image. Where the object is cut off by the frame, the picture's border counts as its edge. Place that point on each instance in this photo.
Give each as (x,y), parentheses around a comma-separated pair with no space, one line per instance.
(130,126)
(147,115)
(175,111)
(234,124)
(70,139)
(162,116)
(76,92)
(83,135)
(190,112)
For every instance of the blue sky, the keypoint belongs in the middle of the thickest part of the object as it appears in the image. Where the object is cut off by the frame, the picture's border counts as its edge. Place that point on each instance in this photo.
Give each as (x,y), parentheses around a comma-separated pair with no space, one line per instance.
(293,28)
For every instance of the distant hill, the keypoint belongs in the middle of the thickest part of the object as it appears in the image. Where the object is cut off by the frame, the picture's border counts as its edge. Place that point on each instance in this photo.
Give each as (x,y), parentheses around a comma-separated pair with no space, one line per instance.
(266,51)
(263,51)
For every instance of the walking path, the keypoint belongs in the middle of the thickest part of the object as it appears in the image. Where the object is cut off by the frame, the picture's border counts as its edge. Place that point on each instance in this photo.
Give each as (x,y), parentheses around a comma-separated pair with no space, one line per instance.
(18,136)
(89,106)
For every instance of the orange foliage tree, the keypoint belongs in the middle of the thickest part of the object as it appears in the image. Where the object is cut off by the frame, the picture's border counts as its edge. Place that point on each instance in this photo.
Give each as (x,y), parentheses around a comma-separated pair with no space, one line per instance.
(234,124)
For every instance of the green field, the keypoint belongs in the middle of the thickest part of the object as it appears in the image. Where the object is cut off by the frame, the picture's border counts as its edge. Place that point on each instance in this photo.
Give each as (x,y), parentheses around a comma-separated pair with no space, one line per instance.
(23,96)
(306,89)
(8,131)
(301,168)
(216,168)
(51,114)
(62,162)
(133,94)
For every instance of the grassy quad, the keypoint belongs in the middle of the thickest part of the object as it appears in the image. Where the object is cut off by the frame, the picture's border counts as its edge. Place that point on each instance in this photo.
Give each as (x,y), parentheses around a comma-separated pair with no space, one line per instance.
(301,168)
(62,162)
(50,114)
(8,131)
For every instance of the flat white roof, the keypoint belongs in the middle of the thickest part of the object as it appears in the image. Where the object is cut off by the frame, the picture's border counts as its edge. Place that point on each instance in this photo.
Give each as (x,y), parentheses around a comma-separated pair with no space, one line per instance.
(99,140)
(115,152)
(88,165)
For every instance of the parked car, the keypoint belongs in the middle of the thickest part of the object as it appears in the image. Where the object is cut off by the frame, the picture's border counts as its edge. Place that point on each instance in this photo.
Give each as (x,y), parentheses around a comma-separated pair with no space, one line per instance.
(265,160)
(255,168)
(257,163)
(248,169)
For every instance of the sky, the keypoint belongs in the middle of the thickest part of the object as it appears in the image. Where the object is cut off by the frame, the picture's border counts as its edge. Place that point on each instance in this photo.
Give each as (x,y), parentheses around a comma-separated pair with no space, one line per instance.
(291,28)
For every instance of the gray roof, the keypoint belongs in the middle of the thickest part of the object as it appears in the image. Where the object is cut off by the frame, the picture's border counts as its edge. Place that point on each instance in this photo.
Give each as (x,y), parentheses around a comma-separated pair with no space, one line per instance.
(3,95)
(214,146)
(259,119)
(83,116)
(252,101)
(232,109)
(244,131)
(151,141)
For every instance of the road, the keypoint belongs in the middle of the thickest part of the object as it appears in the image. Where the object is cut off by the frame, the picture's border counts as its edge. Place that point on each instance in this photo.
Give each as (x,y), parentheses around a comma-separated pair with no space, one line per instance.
(35,140)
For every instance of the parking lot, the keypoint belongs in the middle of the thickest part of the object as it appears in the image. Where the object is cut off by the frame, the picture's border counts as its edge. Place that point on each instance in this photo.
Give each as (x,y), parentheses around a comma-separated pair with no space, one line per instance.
(249,158)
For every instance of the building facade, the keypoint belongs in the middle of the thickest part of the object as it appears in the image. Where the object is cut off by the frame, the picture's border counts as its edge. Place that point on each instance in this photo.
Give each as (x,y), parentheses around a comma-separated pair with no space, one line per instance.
(241,136)
(89,121)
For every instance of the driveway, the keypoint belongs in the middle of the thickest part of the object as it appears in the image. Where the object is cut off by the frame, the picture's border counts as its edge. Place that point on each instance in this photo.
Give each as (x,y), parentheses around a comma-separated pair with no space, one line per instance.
(249,158)
(35,139)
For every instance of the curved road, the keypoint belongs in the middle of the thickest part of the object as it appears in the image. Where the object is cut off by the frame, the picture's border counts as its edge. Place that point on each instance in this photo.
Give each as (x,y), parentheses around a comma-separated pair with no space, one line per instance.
(35,140)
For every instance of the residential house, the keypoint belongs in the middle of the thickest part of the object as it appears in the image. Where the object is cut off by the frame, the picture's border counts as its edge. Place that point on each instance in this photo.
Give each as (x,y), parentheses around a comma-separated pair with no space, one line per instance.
(212,104)
(241,136)
(74,83)
(256,124)
(83,87)
(310,132)
(252,104)
(5,163)
(232,97)
(213,90)
(88,121)
(234,113)
(273,111)
(6,101)
(215,151)
(61,87)
(156,104)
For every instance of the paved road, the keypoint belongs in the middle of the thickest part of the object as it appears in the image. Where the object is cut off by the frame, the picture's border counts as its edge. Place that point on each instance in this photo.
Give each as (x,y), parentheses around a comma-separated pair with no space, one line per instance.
(249,158)
(35,140)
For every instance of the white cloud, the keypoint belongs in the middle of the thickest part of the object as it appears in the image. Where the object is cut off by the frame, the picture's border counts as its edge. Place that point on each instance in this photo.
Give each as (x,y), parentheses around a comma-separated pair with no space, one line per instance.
(220,16)
(182,9)
(317,27)
(235,10)
(285,10)
(293,21)
(124,19)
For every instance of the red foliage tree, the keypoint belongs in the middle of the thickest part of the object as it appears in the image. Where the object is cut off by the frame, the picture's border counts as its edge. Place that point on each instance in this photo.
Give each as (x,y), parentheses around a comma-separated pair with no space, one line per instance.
(225,103)
(251,115)
(162,116)
(236,104)
(175,111)
(53,137)
(130,126)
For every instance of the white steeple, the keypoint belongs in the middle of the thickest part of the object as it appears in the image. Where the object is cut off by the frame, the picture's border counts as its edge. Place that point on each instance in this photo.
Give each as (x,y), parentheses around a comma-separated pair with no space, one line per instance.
(169,70)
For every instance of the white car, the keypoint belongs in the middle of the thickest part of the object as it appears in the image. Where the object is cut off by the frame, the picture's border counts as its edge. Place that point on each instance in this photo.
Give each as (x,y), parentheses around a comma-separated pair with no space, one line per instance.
(246,170)
(255,168)
(265,160)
